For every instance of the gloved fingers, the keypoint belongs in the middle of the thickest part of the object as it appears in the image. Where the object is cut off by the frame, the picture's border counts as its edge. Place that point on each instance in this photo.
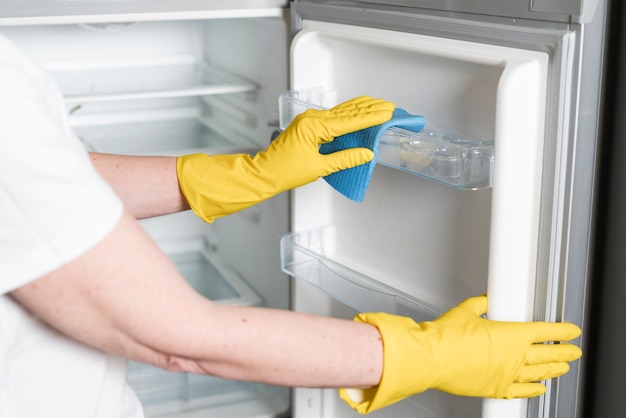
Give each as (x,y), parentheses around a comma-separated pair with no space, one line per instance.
(356,117)
(363,107)
(352,107)
(548,353)
(525,390)
(367,105)
(544,371)
(550,331)
(352,103)
(348,158)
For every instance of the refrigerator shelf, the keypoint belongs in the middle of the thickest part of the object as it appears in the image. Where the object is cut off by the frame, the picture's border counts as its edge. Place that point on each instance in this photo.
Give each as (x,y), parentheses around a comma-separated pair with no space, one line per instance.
(208,274)
(158,132)
(167,392)
(168,77)
(448,159)
(307,255)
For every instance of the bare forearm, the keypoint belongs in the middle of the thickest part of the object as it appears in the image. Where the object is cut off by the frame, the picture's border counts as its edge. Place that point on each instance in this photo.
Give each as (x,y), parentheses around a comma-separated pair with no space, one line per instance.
(148,185)
(125,296)
(286,348)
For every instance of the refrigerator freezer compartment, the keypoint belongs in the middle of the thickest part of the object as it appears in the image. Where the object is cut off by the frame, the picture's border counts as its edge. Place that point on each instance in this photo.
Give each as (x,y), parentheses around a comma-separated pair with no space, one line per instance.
(174,76)
(450,159)
(308,256)
(158,132)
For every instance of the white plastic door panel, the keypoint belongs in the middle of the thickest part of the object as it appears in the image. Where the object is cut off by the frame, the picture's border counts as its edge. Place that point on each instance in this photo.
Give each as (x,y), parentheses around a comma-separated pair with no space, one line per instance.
(474,89)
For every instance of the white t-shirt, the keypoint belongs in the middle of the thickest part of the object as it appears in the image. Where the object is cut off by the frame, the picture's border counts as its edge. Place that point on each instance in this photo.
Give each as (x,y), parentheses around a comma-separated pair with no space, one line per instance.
(54,207)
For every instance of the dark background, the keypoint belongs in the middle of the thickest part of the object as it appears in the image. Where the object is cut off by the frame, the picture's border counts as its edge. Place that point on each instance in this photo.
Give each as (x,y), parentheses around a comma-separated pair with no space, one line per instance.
(605,383)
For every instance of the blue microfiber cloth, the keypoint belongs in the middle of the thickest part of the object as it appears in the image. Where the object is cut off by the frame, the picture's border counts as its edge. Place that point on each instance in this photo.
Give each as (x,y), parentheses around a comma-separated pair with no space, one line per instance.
(353,182)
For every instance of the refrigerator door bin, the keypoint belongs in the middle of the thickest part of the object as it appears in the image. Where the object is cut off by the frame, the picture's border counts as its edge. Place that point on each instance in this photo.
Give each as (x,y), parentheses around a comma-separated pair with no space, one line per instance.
(450,159)
(308,256)
(441,157)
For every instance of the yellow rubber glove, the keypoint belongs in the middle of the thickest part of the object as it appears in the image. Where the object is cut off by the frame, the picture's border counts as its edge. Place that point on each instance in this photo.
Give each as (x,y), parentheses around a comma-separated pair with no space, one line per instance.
(219,185)
(464,354)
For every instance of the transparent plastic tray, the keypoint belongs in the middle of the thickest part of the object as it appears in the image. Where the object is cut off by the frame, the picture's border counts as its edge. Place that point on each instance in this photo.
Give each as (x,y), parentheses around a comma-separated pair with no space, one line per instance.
(438,156)
(167,394)
(210,276)
(154,385)
(159,132)
(166,77)
(305,255)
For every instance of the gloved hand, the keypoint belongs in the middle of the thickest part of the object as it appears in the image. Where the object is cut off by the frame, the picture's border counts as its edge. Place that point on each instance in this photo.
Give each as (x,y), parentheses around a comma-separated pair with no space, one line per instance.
(219,185)
(464,354)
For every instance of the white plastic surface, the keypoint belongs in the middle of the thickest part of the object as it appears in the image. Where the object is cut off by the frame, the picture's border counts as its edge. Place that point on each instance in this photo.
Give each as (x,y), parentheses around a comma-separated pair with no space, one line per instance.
(516,199)
(487,90)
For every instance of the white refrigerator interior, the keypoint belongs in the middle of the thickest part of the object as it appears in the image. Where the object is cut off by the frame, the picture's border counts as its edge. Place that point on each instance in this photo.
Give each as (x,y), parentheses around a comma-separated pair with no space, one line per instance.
(176,87)
(450,213)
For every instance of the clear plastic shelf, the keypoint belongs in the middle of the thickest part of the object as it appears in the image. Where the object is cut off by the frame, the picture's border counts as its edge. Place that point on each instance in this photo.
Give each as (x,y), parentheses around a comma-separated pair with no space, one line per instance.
(438,156)
(174,392)
(158,132)
(304,255)
(208,274)
(160,78)
(155,386)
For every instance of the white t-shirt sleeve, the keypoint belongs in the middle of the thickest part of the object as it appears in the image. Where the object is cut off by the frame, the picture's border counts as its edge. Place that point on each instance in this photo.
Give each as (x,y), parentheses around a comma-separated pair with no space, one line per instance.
(54,206)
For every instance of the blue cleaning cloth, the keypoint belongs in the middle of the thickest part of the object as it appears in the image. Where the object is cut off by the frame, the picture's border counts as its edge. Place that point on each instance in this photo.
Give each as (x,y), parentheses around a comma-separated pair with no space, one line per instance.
(353,182)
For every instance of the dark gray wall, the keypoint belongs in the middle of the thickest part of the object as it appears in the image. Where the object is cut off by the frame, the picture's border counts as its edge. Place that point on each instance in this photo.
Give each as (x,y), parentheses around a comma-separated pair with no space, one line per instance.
(606,356)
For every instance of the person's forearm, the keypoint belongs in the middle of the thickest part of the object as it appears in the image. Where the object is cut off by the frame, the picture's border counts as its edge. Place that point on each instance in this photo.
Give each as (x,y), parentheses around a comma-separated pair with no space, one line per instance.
(124,296)
(284,348)
(148,185)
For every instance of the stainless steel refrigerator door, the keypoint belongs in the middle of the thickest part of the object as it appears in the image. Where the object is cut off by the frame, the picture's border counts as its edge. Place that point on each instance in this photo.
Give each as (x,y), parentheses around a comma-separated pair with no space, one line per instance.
(566,198)
(545,10)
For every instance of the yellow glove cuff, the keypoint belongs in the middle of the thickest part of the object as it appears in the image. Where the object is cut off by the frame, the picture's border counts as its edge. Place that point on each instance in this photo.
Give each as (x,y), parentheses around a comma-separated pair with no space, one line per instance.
(398,381)
(218,185)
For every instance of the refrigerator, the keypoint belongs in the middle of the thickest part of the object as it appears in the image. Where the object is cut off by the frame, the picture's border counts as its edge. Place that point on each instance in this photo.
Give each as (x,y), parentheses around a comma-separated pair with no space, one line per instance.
(496,195)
